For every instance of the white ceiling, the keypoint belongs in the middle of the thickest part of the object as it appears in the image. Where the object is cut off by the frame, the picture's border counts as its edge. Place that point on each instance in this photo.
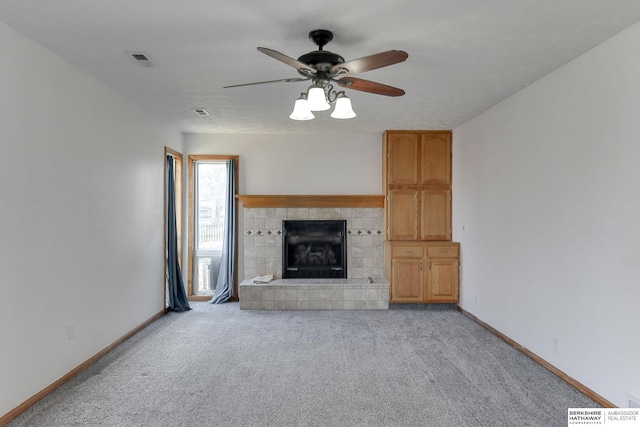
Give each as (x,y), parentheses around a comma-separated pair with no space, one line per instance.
(464,55)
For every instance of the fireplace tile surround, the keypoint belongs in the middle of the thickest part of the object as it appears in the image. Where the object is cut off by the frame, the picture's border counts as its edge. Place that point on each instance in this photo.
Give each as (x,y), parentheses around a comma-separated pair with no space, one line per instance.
(262,234)
(262,239)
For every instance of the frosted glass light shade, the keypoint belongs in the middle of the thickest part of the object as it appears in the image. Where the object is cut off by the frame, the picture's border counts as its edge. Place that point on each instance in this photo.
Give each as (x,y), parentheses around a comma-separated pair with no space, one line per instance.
(301,110)
(343,109)
(317,99)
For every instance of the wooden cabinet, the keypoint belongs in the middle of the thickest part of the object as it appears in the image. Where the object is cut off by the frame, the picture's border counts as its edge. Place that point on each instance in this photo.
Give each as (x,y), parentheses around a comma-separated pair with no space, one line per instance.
(403,213)
(401,149)
(421,262)
(435,220)
(407,280)
(417,185)
(435,158)
(444,268)
(422,272)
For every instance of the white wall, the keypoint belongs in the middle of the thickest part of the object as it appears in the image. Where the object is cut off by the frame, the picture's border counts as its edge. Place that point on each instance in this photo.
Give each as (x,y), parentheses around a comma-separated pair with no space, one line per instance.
(299,164)
(546,208)
(81,217)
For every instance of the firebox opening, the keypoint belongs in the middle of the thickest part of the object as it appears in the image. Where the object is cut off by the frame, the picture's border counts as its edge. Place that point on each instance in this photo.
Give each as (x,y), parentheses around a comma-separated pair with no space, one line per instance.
(314,249)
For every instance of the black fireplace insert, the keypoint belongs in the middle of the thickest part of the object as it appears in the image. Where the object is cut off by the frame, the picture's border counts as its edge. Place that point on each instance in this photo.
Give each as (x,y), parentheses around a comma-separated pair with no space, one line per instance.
(314,249)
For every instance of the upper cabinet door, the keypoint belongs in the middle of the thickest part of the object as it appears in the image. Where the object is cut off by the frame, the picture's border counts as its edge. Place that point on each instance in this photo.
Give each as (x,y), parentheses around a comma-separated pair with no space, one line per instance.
(403,214)
(402,158)
(435,215)
(435,158)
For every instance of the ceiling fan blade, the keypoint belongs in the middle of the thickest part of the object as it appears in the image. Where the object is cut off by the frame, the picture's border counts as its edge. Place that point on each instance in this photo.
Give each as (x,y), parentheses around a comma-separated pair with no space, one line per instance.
(296,79)
(287,60)
(368,86)
(371,62)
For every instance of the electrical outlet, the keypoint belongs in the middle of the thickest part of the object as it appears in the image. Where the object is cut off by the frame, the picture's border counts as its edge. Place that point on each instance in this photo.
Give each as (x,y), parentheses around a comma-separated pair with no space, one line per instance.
(476,302)
(556,345)
(632,402)
(71,330)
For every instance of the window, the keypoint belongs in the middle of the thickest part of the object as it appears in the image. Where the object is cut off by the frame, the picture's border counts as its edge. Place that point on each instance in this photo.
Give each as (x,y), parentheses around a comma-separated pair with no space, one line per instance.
(208,188)
(210,181)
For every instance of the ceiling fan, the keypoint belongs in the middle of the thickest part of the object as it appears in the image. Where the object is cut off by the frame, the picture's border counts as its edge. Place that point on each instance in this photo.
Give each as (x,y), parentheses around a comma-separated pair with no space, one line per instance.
(323,67)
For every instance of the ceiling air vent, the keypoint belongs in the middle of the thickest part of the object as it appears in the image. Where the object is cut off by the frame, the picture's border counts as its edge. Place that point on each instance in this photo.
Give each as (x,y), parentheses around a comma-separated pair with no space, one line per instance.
(201,112)
(141,58)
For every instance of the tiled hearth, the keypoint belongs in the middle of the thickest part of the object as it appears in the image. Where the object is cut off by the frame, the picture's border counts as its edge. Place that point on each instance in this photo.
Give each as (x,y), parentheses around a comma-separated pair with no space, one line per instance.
(262,234)
(315,294)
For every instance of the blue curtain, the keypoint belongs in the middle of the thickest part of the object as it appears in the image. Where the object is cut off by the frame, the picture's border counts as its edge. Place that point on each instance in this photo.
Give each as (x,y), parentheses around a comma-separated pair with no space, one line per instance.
(175,287)
(224,287)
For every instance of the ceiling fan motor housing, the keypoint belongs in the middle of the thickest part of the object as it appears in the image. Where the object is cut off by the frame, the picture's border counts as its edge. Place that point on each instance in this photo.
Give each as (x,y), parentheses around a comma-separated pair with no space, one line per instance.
(321,60)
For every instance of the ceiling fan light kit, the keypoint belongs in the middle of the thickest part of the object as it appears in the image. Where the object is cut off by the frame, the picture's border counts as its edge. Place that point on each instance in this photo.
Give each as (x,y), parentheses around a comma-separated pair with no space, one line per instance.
(324,67)
(317,99)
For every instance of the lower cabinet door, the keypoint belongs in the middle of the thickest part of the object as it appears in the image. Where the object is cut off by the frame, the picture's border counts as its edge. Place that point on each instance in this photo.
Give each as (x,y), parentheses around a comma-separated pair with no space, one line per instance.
(407,283)
(443,280)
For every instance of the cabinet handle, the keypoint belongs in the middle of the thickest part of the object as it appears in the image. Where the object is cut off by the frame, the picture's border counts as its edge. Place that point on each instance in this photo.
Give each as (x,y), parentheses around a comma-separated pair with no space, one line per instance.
(429,265)
(421,265)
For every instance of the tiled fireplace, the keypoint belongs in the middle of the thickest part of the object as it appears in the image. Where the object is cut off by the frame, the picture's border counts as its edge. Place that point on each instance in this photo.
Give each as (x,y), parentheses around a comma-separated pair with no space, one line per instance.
(262,238)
